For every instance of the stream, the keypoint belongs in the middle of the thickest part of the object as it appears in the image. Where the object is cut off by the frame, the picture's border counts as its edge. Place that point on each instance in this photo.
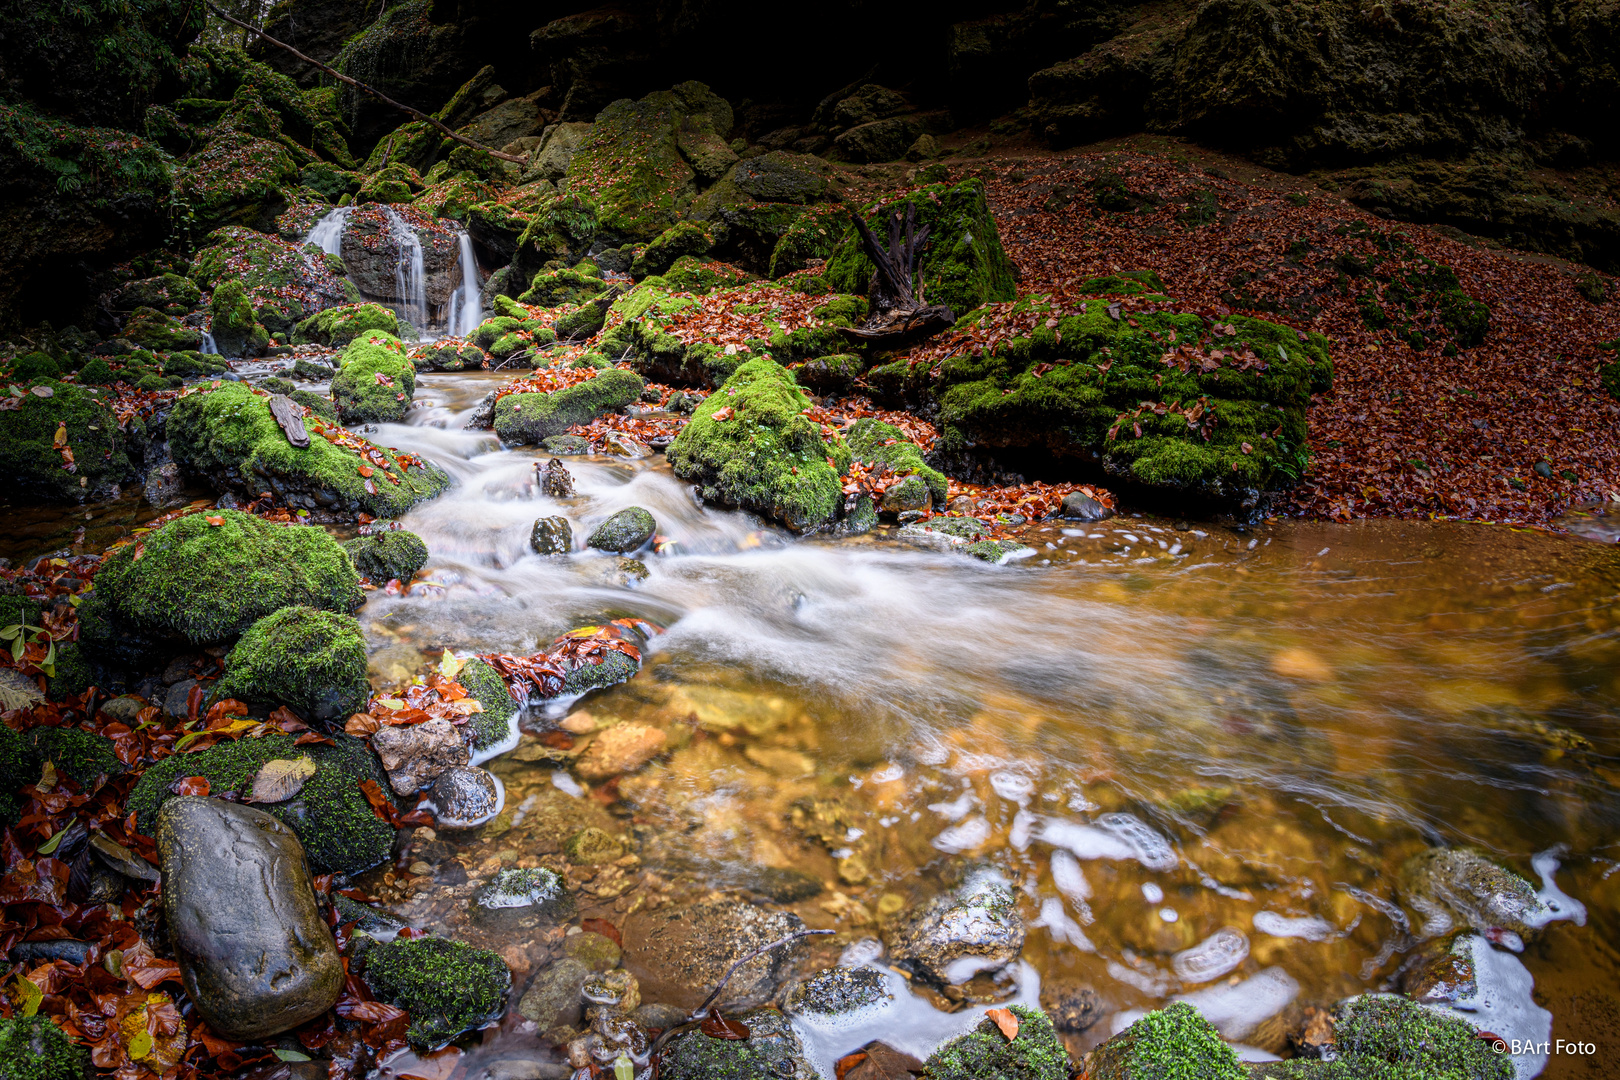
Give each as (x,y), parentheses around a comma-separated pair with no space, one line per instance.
(1202,755)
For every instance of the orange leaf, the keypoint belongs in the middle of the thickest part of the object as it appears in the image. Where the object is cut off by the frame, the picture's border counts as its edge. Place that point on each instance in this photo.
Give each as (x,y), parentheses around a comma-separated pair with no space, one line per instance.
(1006,1021)
(361,724)
(216,521)
(192,785)
(366,470)
(722,414)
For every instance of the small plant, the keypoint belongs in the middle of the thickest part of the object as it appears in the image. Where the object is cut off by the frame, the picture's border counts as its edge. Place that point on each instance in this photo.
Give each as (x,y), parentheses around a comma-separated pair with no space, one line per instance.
(20,634)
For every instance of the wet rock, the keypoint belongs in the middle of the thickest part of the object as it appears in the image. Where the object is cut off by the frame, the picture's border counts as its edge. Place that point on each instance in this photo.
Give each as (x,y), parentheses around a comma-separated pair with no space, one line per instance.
(1035,1054)
(620,749)
(254,953)
(680,953)
(1079,506)
(415,755)
(783,885)
(553,998)
(367,919)
(522,900)
(909,494)
(615,989)
(656,1017)
(625,531)
(125,709)
(446,986)
(552,536)
(1448,886)
(623,573)
(176,701)
(555,480)
(975,927)
(165,487)
(613,1035)
(1441,971)
(465,796)
(772,1051)
(592,845)
(526,1069)
(1073,1006)
(837,991)
(625,446)
(596,951)
(565,444)
(35,952)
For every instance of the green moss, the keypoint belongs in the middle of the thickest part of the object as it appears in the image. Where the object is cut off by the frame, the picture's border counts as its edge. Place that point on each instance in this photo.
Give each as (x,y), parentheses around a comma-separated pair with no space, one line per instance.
(311,660)
(563,226)
(581,323)
(552,287)
(1374,1031)
(771,1050)
(208,583)
(446,986)
(191,365)
(494,723)
(231,321)
(14,773)
(630,166)
(364,398)
(829,374)
(33,464)
(814,234)
(228,436)
(330,814)
(74,675)
(340,325)
(33,1048)
(237,179)
(986,1054)
(316,404)
(277,385)
(283,281)
(682,238)
(395,554)
(530,418)
(806,342)
(1173,1043)
(154,330)
(36,365)
(447,356)
(764,455)
(81,755)
(873,442)
(496,327)
(688,275)
(963,265)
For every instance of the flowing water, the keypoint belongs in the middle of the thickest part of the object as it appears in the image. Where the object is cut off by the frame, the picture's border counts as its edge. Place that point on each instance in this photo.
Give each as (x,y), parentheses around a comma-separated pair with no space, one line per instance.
(410,279)
(466,306)
(1202,755)
(327,233)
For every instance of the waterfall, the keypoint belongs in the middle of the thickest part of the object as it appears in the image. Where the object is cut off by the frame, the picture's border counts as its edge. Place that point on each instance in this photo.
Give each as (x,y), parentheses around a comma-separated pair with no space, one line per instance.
(466,308)
(327,233)
(208,346)
(410,280)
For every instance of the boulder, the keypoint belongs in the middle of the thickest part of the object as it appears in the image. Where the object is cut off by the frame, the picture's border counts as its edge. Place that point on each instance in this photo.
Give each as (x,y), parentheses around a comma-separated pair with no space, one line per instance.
(839,991)
(376,380)
(465,796)
(624,531)
(551,536)
(772,1049)
(447,987)
(152,329)
(555,153)
(879,140)
(255,955)
(311,660)
(875,443)
(531,418)
(414,755)
(231,321)
(552,999)
(32,462)
(974,927)
(377,248)
(680,953)
(1452,886)
(393,555)
(1078,506)
(631,166)
(550,288)
(340,325)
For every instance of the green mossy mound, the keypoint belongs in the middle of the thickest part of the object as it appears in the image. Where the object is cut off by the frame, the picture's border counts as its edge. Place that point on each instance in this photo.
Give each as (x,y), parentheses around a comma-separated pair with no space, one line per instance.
(637,331)
(152,329)
(395,554)
(447,356)
(611,670)
(1380,1037)
(319,406)
(875,442)
(81,755)
(762,454)
(631,167)
(986,1054)
(963,266)
(228,437)
(1403,291)
(33,464)
(311,660)
(772,1049)
(552,287)
(834,374)
(446,986)
(494,723)
(624,531)
(376,380)
(530,418)
(33,1048)
(74,674)
(231,321)
(168,293)
(15,765)
(237,179)
(1173,1042)
(689,275)
(339,830)
(340,325)
(284,282)
(682,238)
(192,582)
(191,365)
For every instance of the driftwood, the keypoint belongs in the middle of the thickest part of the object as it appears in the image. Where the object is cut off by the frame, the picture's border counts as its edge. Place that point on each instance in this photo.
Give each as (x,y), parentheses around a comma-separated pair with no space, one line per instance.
(898,316)
(368,90)
(290,415)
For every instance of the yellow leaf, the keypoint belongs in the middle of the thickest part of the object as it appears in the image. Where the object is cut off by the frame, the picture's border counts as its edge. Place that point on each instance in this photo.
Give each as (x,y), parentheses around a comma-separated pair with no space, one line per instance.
(391,703)
(449,666)
(61,435)
(140,1044)
(28,996)
(281,779)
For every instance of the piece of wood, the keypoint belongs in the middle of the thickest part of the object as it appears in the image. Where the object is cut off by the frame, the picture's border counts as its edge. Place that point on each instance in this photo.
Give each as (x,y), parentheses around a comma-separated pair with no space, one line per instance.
(371,91)
(898,316)
(290,415)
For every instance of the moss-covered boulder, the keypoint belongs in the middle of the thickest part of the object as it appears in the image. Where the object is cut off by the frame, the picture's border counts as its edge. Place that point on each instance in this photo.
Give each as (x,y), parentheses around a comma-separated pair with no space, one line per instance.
(963,265)
(311,660)
(689,275)
(682,238)
(1173,1041)
(771,1049)
(375,381)
(152,329)
(631,167)
(493,724)
(168,293)
(835,374)
(339,830)
(237,179)
(392,555)
(284,282)
(80,755)
(447,356)
(1379,1035)
(876,443)
(552,287)
(228,437)
(16,770)
(531,418)
(986,1054)
(34,1048)
(35,466)
(749,445)
(340,325)
(231,321)
(199,583)
(623,531)
(637,328)
(446,986)
(193,365)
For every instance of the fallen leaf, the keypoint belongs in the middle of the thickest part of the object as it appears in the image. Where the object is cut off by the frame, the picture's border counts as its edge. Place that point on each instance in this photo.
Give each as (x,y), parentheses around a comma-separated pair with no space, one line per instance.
(216,520)
(192,785)
(716,1026)
(880,1061)
(60,439)
(1006,1021)
(42,391)
(281,779)
(722,414)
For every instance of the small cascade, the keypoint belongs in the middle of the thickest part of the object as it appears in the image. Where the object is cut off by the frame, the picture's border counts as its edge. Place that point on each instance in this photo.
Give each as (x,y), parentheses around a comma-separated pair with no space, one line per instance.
(327,233)
(208,346)
(466,306)
(410,280)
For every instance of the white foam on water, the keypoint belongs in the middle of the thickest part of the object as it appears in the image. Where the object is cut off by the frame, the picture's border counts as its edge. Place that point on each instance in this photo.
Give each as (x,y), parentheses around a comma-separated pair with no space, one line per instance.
(1503,1005)
(1556,903)
(1213,957)
(958,838)
(1012,786)
(1071,880)
(1306,927)
(567,784)
(1061,926)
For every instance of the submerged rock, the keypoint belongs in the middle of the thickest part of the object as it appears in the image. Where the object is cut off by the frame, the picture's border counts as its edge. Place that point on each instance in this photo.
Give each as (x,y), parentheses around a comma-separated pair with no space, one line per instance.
(591,845)
(1073,1006)
(522,899)
(446,986)
(1446,886)
(620,749)
(552,536)
(254,953)
(772,1050)
(975,927)
(680,953)
(465,796)
(553,998)
(414,755)
(627,530)
(836,991)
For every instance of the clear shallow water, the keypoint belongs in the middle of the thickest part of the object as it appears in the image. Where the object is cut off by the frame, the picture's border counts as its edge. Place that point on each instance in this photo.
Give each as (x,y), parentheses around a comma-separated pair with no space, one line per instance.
(1202,755)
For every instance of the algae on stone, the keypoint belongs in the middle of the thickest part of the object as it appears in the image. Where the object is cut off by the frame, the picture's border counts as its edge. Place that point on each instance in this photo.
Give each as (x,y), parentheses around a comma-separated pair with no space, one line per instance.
(395,554)
(311,660)
(375,381)
(983,1053)
(446,986)
(531,418)
(32,462)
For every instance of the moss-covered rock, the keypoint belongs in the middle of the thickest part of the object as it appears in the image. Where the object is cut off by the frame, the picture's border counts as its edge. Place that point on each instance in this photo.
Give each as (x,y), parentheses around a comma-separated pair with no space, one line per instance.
(14,773)
(311,660)
(152,329)
(963,265)
(193,365)
(625,530)
(637,329)
(238,179)
(874,442)
(80,755)
(530,418)
(74,673)
(203,584)
(236,331)
(446,986)
(376,380)
(447,356)
(394,554)
(330,814)
(494,723)
(682,238)
(284,282)
(552,287)
(772,1049)
(1376,1030)
(689,275)
(340,325)
(749,445)
(34,465)
(228,437)
(986,1054)
(813,235)
(834,374)
(34,1048)
(630,166)
(1174,1041)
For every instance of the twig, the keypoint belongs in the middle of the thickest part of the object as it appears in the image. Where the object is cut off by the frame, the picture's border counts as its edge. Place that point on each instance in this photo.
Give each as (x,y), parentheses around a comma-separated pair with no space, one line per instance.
(364,89)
